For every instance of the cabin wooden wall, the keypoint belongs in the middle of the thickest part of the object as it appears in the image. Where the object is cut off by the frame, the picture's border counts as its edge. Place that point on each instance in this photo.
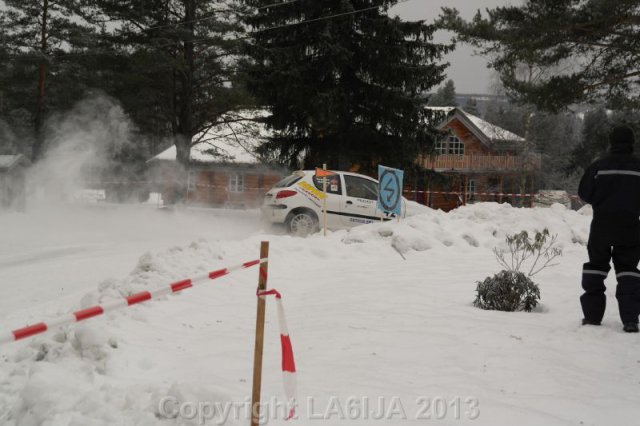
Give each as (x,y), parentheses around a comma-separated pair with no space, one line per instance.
(484,183)
(212,187)
(472,145)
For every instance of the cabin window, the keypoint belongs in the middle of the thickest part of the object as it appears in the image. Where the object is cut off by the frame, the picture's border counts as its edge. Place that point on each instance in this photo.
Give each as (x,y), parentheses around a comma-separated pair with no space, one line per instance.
(469,191)
(191,181)
(236,182)
(451,145)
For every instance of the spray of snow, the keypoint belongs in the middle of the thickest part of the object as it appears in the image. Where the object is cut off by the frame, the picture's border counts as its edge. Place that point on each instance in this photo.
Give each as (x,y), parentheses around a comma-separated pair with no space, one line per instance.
(7,139)
(77,146)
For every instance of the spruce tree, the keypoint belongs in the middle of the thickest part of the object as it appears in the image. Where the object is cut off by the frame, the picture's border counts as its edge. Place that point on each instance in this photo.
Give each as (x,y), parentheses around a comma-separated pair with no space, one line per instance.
(594,139)
(445,96)
(343,81)
(178,69)
(38,74)
(554,136)
(471,106)
(508,116)
(594,142)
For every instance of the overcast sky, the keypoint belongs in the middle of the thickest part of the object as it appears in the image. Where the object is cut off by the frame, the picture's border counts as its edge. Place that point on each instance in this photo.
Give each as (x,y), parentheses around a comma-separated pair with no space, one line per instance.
(469,72)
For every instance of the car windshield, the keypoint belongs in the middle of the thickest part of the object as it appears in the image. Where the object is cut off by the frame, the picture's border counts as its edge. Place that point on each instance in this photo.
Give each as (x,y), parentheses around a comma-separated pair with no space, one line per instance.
(288,181)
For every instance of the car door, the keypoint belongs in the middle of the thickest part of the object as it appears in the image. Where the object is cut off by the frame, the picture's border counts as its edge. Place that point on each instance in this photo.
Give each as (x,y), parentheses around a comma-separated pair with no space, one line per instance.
(334,198)
(359,203)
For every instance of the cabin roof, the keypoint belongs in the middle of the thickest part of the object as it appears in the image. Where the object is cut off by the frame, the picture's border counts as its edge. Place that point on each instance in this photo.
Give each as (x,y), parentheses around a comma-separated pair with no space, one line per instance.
(488,133)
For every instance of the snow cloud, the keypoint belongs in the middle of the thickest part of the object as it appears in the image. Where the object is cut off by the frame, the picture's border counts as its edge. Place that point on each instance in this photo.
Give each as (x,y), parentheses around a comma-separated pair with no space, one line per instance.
(78,146)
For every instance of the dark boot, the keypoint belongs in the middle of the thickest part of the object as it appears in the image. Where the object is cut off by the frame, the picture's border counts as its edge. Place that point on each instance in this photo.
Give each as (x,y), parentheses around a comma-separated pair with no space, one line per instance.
(593,300)
(630,327)
(628,295)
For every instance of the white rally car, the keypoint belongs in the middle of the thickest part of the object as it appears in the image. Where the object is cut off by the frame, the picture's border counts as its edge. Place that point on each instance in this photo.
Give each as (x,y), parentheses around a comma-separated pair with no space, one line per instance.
(297,202)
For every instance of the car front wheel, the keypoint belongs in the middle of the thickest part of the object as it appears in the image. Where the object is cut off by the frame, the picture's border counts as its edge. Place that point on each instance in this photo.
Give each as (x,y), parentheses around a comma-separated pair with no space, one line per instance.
(302,224)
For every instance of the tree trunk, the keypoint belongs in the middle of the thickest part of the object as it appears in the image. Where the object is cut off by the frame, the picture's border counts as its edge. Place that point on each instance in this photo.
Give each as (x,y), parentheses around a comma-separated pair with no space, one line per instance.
(183,150)
(184,92)
(36,151)
(185,77)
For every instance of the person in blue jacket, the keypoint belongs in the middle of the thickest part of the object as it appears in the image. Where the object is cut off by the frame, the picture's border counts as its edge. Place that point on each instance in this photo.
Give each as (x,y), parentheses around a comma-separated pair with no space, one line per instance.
(612,186)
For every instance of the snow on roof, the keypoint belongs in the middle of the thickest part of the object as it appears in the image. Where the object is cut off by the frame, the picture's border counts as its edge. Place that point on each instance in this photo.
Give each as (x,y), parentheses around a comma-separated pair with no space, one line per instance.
(8,161)
(233,141)
(490,131)
(446,110)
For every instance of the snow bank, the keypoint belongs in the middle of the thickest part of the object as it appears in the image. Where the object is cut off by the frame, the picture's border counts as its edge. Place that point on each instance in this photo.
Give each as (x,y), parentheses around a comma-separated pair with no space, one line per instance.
(100,372)
(74,376)
(482,225)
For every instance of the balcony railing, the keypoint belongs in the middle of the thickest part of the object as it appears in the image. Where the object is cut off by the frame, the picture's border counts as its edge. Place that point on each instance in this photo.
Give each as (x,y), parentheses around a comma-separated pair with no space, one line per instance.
(483,162)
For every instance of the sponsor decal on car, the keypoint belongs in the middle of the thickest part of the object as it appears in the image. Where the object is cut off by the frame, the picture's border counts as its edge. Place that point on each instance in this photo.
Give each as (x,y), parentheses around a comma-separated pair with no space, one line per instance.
(310,192)
(358,220)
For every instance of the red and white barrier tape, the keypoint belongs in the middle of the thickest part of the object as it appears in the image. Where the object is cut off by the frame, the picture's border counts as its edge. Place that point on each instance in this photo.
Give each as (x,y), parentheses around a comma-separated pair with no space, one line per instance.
(406,191)
(288,362)
(134,299)
(165,183)
(496,194)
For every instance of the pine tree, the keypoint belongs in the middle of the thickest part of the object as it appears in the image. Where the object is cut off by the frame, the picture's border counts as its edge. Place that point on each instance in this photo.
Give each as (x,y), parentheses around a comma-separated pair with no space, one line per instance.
(445,96)
(554,53)
(554,136)
(343,81)
(178,69)
(508,116)
(594,141)
(471,106)
(38,37)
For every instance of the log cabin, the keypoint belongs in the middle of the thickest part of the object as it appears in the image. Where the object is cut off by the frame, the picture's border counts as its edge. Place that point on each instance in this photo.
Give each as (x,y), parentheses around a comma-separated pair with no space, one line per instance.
(474,159)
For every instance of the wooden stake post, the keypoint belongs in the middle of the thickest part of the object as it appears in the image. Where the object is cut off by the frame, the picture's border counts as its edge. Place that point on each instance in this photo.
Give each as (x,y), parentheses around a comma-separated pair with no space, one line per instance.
(324,201)
(259,345)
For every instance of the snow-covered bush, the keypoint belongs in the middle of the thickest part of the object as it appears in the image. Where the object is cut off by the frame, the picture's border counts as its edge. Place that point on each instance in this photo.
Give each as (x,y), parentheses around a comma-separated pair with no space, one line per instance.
(507,291)
(510,289)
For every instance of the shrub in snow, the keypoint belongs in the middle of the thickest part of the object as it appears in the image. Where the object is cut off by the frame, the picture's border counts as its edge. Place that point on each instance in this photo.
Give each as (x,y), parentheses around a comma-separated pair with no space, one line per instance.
(507,291)
(510,289)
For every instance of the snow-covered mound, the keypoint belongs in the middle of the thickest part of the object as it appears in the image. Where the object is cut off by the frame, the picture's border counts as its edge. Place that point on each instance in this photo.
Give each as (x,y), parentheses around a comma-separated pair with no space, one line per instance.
(77,375)
(365,323)
(481,225)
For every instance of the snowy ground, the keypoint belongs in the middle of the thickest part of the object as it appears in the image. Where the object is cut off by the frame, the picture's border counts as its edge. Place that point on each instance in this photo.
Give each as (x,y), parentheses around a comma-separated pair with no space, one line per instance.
(365,323)
(61,250)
